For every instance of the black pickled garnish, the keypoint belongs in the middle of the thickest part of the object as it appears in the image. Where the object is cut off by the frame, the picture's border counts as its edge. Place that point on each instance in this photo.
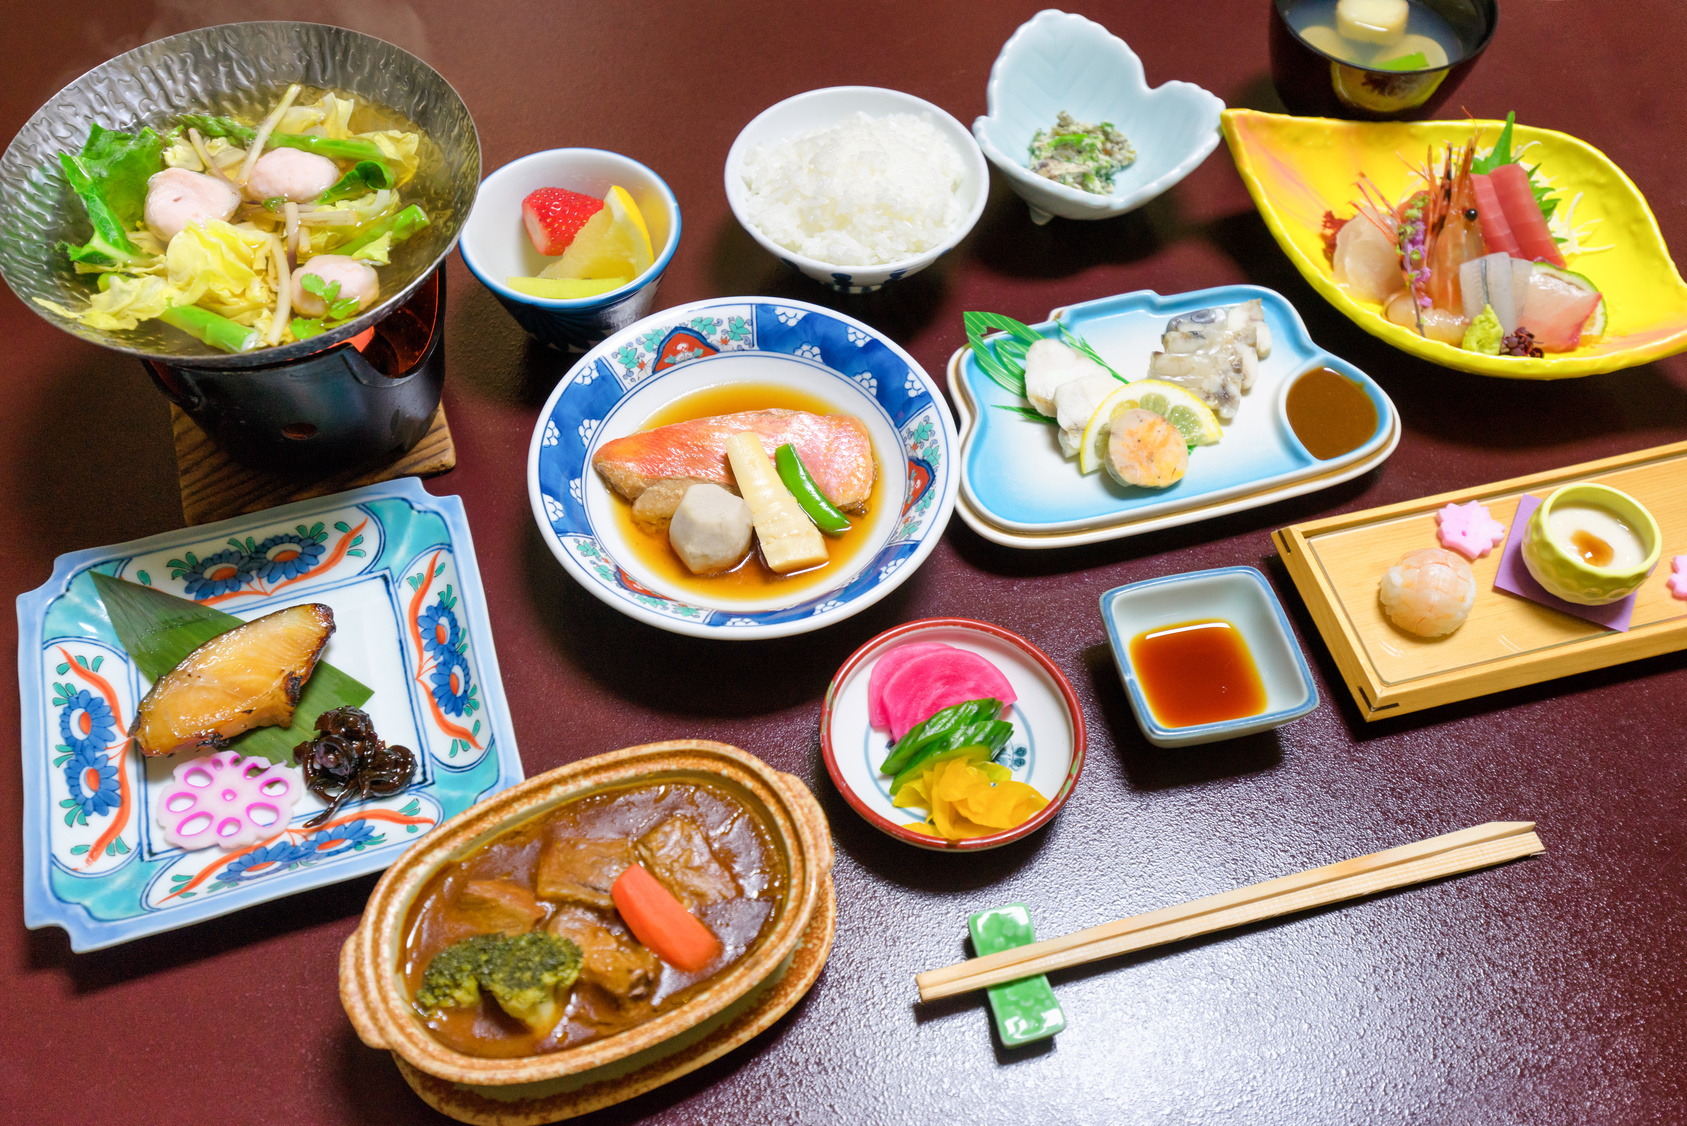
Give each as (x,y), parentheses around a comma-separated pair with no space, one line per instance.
(1520,343)
(347,757)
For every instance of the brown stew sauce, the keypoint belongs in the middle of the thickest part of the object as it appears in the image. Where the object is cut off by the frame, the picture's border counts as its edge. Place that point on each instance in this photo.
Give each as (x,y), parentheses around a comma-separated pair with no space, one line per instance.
(554,872)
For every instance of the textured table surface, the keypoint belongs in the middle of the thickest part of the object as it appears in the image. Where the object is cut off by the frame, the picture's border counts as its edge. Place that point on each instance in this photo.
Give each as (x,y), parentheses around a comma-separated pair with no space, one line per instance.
(1548,991)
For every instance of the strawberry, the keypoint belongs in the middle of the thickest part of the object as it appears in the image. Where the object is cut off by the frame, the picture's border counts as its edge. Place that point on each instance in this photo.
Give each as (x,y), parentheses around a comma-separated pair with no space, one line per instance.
(553,217)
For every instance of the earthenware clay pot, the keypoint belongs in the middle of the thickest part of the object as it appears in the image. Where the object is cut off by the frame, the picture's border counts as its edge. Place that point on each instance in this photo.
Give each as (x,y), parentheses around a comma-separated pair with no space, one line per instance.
(372,988)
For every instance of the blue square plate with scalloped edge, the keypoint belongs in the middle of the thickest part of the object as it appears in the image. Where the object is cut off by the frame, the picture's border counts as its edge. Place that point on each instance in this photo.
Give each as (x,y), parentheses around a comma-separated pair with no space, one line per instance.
(1018,489)
(788,344)
(397,566)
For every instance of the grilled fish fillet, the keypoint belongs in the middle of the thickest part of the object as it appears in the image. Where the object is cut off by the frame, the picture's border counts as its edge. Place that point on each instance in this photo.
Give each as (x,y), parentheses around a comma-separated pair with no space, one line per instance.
(834,447)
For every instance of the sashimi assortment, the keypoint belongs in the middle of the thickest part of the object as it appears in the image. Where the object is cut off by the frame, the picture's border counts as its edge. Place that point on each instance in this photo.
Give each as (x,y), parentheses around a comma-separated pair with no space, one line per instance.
(1471,257)
(1141,432)
(944,709)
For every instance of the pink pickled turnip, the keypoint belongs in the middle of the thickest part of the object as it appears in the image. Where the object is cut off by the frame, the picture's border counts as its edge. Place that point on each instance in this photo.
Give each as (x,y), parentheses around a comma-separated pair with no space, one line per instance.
(930,682)
(883,667)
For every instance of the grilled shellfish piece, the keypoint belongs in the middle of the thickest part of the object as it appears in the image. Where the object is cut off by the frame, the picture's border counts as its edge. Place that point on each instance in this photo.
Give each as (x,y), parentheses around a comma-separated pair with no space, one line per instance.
(249,677)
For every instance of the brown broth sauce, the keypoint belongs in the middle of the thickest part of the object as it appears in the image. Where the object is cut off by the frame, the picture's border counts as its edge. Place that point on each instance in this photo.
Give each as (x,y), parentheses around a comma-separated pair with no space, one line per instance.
(1330,414)
(738,840)
(751,580)
(1197,672)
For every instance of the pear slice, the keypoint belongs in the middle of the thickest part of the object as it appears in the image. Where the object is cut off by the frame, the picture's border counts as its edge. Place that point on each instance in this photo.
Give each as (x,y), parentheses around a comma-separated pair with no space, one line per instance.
(249,677)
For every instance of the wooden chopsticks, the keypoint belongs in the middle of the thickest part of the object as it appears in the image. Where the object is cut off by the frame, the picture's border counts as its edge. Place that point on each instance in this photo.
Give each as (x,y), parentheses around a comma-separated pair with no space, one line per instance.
(1446,855)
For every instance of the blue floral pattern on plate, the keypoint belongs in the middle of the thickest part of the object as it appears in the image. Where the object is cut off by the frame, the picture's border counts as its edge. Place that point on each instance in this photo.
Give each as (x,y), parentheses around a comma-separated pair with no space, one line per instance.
(838,347)
(397,566)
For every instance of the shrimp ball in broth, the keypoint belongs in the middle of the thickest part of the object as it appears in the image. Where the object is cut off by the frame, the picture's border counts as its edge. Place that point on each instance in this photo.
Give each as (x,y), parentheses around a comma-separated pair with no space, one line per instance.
(291,174)
(356,279)
(177,197)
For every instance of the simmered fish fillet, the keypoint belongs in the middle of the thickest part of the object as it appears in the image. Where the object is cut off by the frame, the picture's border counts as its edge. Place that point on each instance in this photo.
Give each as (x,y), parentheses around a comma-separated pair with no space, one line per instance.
(834,447)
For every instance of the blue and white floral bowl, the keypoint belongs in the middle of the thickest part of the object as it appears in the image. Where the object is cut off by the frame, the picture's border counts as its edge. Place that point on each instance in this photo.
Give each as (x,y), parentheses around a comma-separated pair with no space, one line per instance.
(635,372)
(1058,61)
(495,245)
(821,109)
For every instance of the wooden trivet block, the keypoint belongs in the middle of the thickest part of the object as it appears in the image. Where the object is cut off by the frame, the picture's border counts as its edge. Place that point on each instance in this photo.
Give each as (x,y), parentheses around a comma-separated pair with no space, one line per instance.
(215,486)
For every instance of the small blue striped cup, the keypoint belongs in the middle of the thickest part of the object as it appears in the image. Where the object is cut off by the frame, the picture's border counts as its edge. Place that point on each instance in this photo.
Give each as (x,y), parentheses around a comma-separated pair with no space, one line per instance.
(495,245)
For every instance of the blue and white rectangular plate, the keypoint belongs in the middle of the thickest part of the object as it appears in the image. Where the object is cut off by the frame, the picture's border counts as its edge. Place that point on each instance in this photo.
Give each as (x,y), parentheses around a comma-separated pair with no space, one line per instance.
(1018,489)
(397,566)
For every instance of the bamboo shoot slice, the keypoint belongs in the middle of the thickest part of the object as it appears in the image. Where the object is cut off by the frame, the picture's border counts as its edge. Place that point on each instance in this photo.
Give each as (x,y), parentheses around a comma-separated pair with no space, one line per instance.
(789,539)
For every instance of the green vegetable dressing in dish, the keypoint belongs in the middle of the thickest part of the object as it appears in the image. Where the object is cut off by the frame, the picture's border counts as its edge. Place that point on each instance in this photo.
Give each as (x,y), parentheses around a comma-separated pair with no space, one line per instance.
(1080,155)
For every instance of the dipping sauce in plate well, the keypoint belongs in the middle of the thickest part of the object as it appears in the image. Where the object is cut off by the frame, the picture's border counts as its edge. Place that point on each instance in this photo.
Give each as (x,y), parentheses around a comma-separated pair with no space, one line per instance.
(1330,414)
(1197,672)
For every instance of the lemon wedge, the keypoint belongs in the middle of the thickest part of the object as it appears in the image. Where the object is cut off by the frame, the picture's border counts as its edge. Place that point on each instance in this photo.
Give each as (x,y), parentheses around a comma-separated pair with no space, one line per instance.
(1184,410)
(614,243)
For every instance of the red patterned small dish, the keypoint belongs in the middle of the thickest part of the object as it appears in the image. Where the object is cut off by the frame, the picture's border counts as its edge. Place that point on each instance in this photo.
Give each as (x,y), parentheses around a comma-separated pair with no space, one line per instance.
(1046,750)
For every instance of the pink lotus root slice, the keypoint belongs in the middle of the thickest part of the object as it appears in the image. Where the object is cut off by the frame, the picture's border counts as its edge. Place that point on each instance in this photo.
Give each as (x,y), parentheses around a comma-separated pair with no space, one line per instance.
(931,682)
(226,800)
(882,670)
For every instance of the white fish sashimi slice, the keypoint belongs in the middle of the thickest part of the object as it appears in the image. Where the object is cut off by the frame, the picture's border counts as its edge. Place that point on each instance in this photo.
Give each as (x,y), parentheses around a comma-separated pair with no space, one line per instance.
(1074,402)
(1521,271)
(1488,281)
(1050,363)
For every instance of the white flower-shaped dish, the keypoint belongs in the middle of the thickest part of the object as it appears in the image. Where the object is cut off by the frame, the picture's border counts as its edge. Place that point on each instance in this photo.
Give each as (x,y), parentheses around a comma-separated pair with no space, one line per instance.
(1058,61)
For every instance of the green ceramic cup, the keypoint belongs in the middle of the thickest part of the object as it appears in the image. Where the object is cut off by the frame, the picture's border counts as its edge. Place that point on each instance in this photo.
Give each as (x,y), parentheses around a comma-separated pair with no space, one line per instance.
(1558,568)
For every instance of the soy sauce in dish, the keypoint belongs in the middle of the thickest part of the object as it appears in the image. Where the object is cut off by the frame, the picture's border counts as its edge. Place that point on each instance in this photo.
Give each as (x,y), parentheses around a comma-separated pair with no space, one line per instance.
(1197,672)
(1330,414)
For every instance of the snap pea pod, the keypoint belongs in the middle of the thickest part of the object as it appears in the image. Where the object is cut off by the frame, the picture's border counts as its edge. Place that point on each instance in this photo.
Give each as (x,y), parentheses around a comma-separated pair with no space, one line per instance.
(991,734)
(936,727)
(796,477)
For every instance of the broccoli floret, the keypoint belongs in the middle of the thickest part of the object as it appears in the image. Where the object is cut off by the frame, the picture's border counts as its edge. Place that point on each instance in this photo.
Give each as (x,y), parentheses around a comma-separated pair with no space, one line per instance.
(523,973)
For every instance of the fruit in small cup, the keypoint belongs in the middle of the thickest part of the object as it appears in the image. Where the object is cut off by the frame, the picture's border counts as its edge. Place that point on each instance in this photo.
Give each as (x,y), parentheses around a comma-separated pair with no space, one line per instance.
(595,241)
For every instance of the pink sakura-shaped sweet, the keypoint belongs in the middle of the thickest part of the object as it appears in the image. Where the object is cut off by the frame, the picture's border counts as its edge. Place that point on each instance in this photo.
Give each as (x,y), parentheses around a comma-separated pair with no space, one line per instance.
(1469,530)
(1678,576)
(226,800)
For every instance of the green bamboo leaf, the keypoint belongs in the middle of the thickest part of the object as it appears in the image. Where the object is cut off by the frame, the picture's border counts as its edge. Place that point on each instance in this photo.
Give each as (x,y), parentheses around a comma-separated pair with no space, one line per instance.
(1031,413)
(159,630)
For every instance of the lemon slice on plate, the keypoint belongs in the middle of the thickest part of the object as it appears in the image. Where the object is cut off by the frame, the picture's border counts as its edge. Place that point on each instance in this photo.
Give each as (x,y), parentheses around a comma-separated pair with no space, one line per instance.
(1178,406)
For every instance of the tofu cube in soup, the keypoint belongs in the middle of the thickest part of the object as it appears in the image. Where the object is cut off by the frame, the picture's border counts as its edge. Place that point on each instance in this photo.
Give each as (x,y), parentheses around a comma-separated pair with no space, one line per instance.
(710,529)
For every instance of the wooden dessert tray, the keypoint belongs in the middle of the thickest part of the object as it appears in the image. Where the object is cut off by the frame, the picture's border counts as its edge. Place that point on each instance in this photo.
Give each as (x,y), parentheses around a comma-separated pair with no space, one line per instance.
(215,486)
(1508,641)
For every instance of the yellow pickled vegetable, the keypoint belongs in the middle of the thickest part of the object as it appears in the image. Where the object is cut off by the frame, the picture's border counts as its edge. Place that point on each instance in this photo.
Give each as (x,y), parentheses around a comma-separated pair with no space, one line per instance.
(969,799)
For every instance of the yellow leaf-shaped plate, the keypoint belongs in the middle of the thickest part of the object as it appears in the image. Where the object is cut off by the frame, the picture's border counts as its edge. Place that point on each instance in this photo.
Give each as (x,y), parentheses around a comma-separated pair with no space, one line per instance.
(1296,168)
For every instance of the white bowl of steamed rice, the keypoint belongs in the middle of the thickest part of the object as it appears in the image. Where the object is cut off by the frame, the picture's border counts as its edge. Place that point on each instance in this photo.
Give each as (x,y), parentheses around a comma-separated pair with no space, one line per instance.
(856,186)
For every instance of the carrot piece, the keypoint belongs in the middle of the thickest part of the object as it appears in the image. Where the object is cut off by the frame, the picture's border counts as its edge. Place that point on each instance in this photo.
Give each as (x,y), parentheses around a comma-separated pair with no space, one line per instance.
(661,922)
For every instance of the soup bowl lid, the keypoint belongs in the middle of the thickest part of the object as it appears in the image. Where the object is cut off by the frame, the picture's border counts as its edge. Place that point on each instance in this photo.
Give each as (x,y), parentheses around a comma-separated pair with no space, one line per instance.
(372,987)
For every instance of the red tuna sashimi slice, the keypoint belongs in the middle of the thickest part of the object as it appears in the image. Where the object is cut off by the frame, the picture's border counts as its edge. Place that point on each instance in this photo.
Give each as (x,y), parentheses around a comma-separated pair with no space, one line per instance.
(1496,231)
(930,682)
(1556,311)
(1523,214)
(882,670)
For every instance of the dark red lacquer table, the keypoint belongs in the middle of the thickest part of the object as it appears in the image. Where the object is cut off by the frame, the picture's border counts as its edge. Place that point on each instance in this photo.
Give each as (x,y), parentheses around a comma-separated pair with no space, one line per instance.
(1550,991)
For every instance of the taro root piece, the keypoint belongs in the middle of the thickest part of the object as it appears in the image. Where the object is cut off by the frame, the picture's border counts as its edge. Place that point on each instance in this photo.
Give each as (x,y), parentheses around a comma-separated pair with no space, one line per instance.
(347,757)
(249,677)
